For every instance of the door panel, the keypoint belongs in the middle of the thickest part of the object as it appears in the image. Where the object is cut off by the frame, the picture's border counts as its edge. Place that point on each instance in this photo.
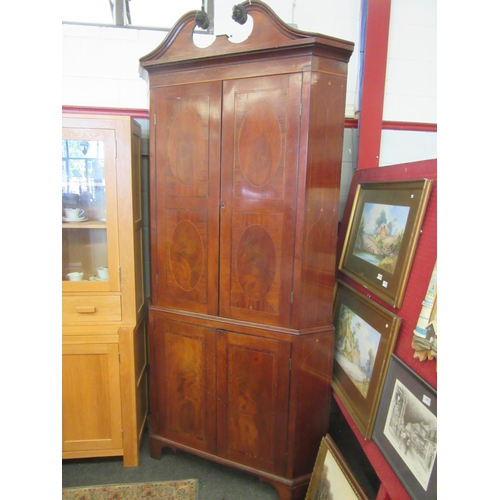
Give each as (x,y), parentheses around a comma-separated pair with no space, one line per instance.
(252,400)
(89,183)
(91,397)
(259,174)
(186,194)
(184,381)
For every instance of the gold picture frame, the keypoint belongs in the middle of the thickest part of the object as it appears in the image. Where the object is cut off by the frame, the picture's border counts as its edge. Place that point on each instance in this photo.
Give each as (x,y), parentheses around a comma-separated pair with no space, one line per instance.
(382,236)
(332,477)
(365,336)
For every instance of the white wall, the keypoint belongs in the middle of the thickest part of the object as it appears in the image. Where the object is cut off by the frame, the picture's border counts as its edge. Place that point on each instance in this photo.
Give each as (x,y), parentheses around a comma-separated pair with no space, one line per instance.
(399,146)
(411,81)
(100,65)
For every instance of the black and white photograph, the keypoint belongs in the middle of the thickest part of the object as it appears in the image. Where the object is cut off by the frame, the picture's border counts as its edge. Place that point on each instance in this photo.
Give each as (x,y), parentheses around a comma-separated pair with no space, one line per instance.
(412,429)
(406,429)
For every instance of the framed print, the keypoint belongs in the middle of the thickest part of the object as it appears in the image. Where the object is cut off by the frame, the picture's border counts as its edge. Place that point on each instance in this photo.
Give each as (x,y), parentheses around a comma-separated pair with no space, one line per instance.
(365,334)
(425,334)
(406,430)
(332,477)
(382,235)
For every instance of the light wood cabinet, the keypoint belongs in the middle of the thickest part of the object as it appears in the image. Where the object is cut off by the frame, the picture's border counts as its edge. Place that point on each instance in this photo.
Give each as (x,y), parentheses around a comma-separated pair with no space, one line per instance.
(246,148)
(91,394)
(104,334)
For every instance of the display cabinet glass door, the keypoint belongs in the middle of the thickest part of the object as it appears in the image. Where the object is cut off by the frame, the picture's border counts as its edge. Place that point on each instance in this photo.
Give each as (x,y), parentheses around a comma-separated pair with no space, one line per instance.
(89,215)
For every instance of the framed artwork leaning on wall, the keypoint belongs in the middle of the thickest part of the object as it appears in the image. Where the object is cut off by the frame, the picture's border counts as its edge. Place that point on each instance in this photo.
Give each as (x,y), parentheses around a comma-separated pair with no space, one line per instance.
(406,430)
(332,477)
(382,235)
(365,335)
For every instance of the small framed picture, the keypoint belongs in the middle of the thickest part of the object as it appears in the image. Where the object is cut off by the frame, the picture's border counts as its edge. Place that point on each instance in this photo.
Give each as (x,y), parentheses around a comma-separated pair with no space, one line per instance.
(382,236)
(365,335)
(406,430)
(332,477)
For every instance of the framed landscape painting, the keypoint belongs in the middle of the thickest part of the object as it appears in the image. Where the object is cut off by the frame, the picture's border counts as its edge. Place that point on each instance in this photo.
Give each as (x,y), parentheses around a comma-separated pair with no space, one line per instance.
(332,477)
(365,335)
(382,235)
(406,430)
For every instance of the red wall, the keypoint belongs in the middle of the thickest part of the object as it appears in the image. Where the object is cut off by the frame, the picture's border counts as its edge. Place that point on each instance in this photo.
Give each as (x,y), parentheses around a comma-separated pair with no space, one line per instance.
(420,274)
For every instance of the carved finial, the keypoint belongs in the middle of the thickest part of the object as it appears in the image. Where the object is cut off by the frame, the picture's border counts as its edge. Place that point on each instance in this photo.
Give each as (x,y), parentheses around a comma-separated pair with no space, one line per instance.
(201,19)
(240,14)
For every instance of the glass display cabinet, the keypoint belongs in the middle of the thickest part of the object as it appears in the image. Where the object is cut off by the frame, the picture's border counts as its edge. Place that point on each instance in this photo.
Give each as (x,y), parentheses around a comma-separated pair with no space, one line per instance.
(89,243)
(104,360)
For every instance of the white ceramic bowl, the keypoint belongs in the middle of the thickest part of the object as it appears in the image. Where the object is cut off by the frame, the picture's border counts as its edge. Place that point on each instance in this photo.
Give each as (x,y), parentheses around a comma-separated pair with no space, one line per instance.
(76,276)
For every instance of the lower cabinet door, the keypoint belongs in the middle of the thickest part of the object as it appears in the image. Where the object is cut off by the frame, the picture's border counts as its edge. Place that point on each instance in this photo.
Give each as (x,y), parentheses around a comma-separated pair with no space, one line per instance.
(253,380)
(183,399)
(91,402)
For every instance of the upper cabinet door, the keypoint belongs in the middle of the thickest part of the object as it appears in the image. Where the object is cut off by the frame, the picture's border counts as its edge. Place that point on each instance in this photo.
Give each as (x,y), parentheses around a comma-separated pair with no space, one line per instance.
(260,150)
(185,196)
(90,252)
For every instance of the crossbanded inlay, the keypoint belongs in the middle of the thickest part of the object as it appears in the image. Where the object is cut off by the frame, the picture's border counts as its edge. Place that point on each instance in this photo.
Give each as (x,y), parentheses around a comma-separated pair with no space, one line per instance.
(259,144)
(256,262)
(186,255)
(186,147)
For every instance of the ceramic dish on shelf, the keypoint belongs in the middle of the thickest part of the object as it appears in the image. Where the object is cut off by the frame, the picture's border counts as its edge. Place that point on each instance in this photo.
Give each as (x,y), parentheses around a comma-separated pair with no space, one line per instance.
(80,219)
(96,278)
(102,219)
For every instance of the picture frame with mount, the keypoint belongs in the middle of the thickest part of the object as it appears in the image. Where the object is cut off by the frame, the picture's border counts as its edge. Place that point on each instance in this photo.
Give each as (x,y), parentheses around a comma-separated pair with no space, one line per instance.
(382,235)
(406,430)
(365,335)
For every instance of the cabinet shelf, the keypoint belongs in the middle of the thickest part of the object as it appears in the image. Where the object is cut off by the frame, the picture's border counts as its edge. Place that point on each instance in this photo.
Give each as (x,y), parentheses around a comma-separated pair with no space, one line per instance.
(91,224)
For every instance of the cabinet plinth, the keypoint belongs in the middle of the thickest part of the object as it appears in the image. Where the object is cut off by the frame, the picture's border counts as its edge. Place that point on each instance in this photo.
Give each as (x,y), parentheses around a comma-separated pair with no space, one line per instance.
(245,172)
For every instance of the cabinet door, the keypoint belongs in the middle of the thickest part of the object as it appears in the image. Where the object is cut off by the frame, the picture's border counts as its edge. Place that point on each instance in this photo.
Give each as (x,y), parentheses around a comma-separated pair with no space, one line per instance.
(91,400)
(183,384)
(253,376)
(90,247)
(260,144)
(185,197)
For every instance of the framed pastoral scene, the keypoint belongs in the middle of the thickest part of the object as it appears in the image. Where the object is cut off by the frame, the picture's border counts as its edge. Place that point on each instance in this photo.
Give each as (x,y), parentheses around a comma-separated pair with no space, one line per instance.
(382,235)
(365,335)
(406,430)
(332,478)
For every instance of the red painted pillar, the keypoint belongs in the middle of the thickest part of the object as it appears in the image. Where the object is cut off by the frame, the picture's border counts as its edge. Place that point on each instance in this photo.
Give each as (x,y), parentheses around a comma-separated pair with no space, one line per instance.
(382,493)
(373,84)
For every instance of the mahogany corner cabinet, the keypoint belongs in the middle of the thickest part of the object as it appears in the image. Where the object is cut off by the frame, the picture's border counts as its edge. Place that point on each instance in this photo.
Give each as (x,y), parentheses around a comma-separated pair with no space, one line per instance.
(246,149)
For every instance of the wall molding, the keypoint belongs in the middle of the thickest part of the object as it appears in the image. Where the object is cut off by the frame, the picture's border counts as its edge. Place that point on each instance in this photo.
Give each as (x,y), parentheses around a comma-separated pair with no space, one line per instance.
(144,113)
(409,126)
(92,110)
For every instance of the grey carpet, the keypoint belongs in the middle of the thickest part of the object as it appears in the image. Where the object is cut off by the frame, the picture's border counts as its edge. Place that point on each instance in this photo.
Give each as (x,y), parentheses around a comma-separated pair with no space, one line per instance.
(215,481)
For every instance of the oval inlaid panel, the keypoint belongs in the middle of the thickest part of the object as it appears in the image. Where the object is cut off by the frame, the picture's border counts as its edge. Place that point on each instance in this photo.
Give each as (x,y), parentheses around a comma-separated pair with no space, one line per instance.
(186,146)
(260,144)
(256,262)
(186,255)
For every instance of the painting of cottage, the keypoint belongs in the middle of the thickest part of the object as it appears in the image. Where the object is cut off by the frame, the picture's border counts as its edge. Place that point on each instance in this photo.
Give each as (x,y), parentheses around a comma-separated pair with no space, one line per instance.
(380,234)
(356,346)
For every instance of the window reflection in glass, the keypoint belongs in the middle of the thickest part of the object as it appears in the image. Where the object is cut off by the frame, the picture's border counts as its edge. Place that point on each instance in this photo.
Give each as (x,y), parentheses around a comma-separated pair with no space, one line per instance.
(84,239)
(83,177)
